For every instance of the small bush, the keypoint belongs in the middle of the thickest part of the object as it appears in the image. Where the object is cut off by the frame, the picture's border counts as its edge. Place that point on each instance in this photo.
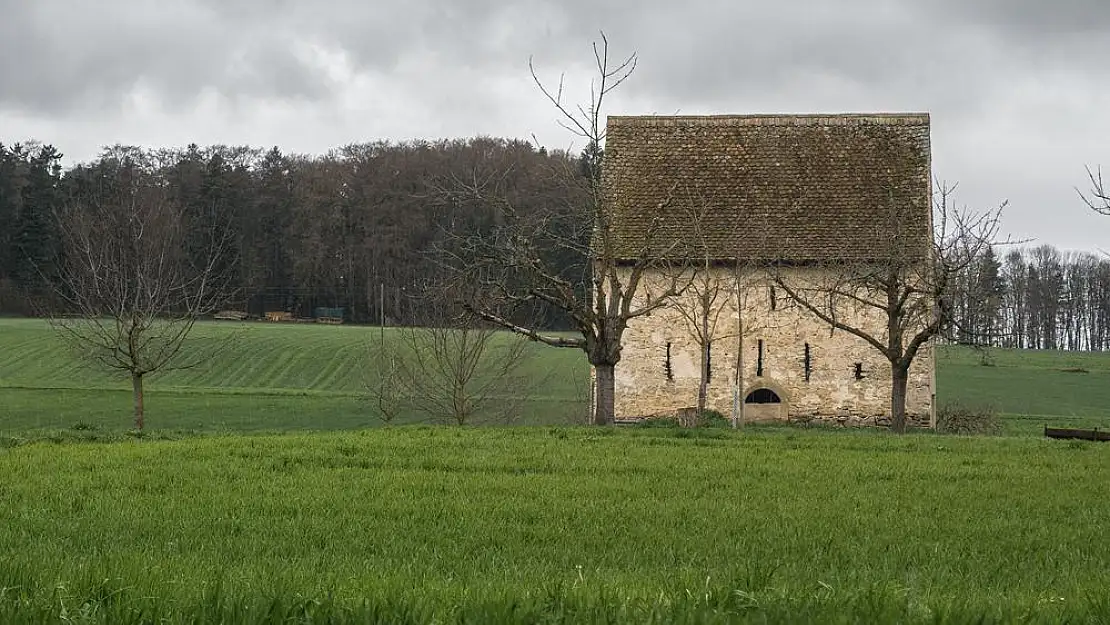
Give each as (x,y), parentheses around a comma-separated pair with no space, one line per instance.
(659,422)
(714,419)
(684,418)
(968,420)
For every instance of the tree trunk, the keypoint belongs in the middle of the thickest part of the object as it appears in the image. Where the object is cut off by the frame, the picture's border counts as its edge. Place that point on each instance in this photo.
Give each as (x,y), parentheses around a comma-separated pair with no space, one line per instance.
(137,388)
(603,398)
(738,384)
(703,383)
(899,382)
(458,405)
(703,387)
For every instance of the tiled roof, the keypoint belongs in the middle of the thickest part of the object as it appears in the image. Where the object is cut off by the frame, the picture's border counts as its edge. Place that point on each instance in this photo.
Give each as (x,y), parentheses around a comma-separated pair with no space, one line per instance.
(796,188)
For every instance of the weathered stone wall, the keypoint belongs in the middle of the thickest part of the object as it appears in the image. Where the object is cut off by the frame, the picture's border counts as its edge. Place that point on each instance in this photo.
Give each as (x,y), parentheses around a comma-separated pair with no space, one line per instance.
(832,392)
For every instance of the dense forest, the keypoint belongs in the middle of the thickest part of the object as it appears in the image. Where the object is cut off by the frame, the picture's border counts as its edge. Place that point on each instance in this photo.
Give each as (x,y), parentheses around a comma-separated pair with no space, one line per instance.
(351,229)
(355,228)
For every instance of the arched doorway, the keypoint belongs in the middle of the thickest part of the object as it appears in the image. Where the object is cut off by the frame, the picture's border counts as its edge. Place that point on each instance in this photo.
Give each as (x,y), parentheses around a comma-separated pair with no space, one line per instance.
(762,396)
(764,404)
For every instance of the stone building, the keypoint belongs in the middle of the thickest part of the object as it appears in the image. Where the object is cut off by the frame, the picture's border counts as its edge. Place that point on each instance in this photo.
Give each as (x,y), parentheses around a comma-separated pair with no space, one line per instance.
(741,200)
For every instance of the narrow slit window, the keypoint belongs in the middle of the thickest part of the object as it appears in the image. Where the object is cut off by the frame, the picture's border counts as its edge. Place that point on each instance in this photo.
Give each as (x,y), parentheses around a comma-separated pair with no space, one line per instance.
(667,363)
(708,362)
(774,299)
(859,371)
(759,360)
(807,362)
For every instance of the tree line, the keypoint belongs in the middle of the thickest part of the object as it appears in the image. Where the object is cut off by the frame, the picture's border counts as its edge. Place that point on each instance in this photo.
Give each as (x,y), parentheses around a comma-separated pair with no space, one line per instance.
(1035,298)
(354,228)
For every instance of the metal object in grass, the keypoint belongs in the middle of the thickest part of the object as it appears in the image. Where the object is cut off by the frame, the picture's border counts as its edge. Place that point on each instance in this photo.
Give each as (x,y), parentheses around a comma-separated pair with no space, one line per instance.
(1086,435)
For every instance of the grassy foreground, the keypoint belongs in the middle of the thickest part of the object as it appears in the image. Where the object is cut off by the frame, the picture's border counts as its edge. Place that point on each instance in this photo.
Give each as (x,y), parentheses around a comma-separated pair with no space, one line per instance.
(556,525)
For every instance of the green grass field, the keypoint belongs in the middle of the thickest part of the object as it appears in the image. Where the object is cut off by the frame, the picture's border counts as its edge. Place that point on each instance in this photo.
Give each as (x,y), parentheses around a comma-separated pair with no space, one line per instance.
(556,525)
(1030,388)
(277,377)
(538,524)
(272,377)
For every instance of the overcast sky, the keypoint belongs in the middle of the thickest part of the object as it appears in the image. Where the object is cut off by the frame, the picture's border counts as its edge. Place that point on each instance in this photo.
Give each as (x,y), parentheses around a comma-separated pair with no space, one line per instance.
(1019,90)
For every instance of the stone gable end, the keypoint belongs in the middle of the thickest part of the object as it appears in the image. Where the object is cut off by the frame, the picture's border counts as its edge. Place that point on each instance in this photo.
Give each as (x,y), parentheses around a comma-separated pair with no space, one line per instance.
(790,191)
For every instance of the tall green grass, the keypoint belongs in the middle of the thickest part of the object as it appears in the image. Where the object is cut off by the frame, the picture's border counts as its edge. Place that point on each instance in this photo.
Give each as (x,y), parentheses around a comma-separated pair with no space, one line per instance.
(556,525)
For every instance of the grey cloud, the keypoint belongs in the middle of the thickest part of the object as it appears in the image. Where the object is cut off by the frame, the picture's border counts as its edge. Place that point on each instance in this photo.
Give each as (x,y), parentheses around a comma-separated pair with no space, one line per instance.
(720,55)
(1029,19)
(377,35)
(952,52)
(1016,87)
(62,55)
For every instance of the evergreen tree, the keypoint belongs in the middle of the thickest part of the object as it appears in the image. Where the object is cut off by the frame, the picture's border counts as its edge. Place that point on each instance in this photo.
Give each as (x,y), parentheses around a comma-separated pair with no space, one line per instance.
(986,290)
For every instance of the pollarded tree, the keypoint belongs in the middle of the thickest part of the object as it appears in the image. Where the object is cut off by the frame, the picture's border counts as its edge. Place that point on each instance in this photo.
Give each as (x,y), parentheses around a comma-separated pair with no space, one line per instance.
(131,290)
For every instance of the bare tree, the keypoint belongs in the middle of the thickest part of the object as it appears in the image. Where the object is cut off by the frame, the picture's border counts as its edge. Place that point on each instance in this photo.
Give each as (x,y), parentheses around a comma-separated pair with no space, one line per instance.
(906,290)
(706,295)
(749,278)
(130,293)
(1097,197)
(715,289)
(568,257)
(457,368)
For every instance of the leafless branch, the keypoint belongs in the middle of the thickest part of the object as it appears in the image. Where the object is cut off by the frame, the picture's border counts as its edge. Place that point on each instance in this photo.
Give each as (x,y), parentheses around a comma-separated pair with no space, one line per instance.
(1097,197)
(457,369)
(130,291)
(900,299)
(566,257)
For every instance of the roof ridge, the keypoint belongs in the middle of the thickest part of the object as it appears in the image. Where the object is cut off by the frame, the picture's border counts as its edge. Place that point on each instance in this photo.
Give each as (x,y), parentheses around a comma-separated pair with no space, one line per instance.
(775,119)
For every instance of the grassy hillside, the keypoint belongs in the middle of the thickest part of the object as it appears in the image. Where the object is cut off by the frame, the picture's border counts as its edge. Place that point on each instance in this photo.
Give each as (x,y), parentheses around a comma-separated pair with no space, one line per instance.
(269,377)
(281,377)
(302,357)
(581,525)
(531,524)
(1031,388)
